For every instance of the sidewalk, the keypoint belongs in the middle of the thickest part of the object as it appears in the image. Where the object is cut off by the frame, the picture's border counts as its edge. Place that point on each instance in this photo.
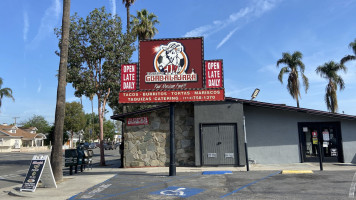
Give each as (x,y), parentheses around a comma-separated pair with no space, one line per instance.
(80,182)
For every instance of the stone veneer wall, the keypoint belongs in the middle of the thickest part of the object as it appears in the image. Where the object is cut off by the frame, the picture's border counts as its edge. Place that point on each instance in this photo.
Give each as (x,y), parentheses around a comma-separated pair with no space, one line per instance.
(148,145)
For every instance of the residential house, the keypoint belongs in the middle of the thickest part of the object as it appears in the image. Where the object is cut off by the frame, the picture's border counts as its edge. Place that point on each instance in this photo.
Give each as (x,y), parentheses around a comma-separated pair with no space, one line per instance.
(13,138)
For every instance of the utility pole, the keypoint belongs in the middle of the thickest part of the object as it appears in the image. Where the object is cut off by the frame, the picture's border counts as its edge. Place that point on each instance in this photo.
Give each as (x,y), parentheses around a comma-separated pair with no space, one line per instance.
(15,119)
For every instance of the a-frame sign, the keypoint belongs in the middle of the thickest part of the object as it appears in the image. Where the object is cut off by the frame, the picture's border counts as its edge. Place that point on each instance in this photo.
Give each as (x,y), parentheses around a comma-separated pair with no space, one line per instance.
(40,169)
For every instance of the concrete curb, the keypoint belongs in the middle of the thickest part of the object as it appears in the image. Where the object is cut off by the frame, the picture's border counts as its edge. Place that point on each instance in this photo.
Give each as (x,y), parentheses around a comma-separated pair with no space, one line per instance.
(16,192)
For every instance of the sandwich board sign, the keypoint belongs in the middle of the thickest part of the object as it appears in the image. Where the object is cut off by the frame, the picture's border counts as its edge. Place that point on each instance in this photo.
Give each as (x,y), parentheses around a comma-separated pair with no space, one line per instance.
(40,169)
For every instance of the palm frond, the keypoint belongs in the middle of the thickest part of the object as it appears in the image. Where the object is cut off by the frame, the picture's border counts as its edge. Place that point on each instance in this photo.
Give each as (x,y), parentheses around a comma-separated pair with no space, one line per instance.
(281,73)
(347,58)
(305,82)
(352,45)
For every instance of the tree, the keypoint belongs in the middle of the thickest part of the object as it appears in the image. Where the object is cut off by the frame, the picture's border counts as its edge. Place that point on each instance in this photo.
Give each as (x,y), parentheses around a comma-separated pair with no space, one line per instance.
(39,122)
(143,25)
(97,49)
(92,125)
(329,71)
(347,58)
(109,130)
(50,138)
(293,68)
(5,92)
(128,3)
(56,154)
(74,119)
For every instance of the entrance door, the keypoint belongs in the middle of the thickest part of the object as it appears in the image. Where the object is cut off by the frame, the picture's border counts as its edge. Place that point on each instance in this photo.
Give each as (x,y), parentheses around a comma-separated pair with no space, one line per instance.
(219,144)
(327,134)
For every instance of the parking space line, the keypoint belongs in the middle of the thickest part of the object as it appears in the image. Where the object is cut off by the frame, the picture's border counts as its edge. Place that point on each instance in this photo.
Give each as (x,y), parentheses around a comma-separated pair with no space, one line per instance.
(352,187)
(228,194)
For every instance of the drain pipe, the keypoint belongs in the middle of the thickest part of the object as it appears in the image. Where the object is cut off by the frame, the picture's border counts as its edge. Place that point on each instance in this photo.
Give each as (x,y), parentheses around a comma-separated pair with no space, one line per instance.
(247,164)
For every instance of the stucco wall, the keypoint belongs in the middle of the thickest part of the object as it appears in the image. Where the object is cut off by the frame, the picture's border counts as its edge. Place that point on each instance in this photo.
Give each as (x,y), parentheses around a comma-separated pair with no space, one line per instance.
(148,145)
(348,129)
(219,112)
(272,135)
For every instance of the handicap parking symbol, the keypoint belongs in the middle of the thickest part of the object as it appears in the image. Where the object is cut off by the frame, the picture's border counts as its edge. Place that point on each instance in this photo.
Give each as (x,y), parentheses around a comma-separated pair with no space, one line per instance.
(178,191)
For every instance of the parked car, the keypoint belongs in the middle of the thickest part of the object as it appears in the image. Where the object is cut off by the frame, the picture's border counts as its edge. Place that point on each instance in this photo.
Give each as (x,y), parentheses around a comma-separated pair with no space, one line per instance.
(92,145)
(85,145)
(117,145)
(109,146)
(97,144)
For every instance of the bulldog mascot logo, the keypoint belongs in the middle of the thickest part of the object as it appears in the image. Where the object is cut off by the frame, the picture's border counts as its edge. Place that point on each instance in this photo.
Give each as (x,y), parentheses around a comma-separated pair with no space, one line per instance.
(170,64)
(171,59)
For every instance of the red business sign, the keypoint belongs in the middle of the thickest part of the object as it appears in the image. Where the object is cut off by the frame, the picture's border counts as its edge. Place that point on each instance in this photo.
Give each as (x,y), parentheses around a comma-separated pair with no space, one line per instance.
(128,77)
(213,74)
(171,64)
(172,70)
(137,121)
(171,96)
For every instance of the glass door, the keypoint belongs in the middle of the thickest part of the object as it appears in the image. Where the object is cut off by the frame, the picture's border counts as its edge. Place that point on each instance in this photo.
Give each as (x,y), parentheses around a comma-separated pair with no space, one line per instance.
(330,144)
(327,134)
(310,144)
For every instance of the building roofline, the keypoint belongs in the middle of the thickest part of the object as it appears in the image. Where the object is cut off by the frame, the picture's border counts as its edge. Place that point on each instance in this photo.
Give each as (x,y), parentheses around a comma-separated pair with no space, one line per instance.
(121,117)
(290,108)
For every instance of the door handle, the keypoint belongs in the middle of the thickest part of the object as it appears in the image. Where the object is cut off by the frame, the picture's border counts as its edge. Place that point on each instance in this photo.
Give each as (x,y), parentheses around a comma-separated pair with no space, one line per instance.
(218,143)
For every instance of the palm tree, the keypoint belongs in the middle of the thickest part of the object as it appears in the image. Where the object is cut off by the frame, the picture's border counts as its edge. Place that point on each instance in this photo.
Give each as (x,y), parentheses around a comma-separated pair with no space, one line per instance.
(347,58)
(56,154)
(329,71)
(5,92)
(143,25)
(294,63)
(128,3)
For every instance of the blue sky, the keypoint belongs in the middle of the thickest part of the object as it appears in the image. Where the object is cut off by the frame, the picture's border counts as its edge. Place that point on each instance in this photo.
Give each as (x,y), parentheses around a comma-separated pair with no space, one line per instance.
(249,35)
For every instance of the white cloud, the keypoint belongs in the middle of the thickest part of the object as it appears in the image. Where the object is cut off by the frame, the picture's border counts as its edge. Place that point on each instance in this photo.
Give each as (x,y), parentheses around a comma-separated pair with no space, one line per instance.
(227,37)
(236,20)
(26,26)
(113,7)
(48,22)
(39,86)
(200,31)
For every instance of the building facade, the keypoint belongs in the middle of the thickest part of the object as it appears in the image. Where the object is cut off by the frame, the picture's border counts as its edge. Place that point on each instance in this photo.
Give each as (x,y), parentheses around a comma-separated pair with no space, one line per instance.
(213,134)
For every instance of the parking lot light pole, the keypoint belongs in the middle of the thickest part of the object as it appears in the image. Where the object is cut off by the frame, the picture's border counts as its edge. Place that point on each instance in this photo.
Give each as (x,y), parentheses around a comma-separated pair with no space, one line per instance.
(172,163)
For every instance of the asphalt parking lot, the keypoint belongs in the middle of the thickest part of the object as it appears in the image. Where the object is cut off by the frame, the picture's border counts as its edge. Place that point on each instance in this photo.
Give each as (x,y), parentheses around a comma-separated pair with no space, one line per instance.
(238,185)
